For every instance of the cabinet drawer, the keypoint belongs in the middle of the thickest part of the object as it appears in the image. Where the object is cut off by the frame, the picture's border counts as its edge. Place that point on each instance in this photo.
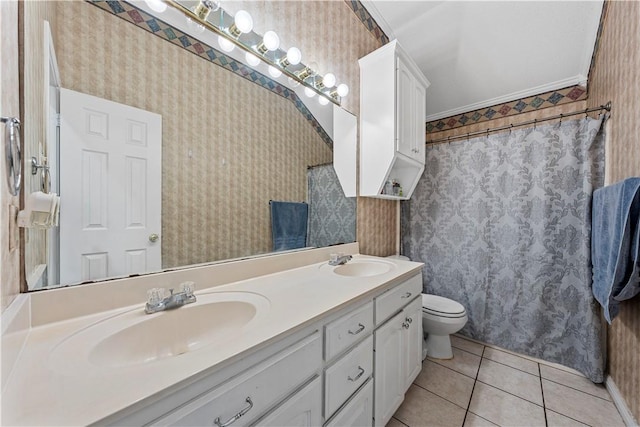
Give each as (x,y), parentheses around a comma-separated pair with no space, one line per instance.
(396,298)
(345,331)
(254,391)
(345,376)
(358,412)
(302,409)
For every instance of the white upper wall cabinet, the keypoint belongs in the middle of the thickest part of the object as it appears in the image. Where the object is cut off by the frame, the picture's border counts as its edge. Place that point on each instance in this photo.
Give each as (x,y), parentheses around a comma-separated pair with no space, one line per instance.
(392,123)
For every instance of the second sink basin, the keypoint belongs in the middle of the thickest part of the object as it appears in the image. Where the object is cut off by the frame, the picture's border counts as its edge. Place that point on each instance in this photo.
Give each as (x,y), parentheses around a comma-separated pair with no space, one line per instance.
(363,268)
(133,337)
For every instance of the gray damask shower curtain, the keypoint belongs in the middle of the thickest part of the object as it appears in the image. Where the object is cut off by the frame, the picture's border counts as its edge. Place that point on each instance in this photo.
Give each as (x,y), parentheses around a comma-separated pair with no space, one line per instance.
(503,225)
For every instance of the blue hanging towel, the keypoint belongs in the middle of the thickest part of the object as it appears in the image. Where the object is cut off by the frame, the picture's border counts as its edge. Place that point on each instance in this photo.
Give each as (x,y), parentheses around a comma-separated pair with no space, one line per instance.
(615,240)
(289,225)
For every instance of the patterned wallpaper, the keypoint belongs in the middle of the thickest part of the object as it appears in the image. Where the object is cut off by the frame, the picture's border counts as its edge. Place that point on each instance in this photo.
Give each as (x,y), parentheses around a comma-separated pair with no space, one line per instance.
(615,78)
(155,26)
(219,172)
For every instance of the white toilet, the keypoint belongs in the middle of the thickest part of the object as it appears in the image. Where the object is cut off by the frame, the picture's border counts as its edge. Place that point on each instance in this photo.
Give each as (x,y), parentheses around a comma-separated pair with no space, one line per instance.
(440,318)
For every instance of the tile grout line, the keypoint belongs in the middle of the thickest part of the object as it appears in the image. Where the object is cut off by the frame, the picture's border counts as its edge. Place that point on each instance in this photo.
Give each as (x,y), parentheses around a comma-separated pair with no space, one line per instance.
(544,407)
(514,395)
(475,381)
(576,389)
(513,367)
(437,395)
(394,418)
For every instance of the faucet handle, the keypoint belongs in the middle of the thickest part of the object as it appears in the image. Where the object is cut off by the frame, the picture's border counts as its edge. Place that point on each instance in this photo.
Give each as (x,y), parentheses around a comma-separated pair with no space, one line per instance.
(155,295)
(188,287)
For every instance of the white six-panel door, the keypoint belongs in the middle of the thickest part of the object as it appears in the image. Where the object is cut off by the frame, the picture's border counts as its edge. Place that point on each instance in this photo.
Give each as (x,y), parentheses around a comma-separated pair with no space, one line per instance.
(110,188)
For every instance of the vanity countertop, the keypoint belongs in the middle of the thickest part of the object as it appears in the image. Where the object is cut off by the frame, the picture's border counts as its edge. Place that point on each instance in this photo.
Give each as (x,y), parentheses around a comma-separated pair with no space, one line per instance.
(45,390)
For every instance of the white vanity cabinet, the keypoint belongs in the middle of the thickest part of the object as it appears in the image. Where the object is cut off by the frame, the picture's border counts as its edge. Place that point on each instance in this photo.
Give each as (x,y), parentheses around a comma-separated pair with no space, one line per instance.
(398,347)
(392,121)
(326,373)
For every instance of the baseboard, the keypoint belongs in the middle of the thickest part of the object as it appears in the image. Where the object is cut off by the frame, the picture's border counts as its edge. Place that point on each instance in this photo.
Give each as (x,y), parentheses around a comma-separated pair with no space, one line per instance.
(620,403)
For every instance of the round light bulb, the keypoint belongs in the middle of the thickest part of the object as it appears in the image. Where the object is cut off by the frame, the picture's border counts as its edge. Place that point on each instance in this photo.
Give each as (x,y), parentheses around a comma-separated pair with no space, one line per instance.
(309,92)
(294,56)
(293,82)
(156,5)
(342,90)
(225,44)
(322,100)
(329,80)
(252,59)
(275,73)
(243,21)
(271,40)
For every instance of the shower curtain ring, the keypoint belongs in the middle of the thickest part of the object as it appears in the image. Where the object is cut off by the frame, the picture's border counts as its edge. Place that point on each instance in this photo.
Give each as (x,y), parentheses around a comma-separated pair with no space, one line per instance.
(586,113)
(561,118)
(511,128)
(535,122)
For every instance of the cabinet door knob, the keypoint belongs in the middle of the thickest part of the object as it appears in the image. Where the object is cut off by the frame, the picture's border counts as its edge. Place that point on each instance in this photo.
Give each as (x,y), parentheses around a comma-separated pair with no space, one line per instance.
(236,416)
(153,237)
(360,373)
(357,331)
(408,320)
(405,325)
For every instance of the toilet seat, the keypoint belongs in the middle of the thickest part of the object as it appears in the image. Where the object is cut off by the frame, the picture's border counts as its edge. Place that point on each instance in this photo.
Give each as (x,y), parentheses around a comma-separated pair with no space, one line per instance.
(442,307)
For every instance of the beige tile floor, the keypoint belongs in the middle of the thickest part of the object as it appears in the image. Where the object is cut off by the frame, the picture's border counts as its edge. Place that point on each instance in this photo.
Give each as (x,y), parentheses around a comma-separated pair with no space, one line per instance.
(485,386)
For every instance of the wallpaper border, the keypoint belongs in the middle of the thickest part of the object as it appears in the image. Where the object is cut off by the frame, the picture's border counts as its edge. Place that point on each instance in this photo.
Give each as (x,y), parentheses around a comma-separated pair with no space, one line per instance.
(524,105)
(155,26)
(367,20)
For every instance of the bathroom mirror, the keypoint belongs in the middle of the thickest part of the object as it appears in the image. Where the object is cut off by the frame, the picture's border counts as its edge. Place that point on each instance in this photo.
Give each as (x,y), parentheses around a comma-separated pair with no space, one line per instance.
(231,140)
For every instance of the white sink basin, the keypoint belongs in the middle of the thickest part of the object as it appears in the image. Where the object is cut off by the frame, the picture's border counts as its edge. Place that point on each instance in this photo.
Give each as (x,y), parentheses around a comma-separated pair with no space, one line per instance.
(133,337)
(363,268)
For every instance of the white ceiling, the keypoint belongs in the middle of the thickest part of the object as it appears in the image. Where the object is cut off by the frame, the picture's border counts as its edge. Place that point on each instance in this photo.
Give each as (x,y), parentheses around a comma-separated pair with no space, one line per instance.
(481,53)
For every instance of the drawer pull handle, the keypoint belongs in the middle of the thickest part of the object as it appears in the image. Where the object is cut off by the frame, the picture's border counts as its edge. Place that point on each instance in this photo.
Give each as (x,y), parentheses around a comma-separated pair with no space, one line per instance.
(360,329)
(236,416)
(407,295)
(357,377)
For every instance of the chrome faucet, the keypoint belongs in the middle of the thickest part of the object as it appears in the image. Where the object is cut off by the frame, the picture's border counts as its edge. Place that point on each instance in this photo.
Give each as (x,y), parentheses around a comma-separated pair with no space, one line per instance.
(157,301)
(339,259)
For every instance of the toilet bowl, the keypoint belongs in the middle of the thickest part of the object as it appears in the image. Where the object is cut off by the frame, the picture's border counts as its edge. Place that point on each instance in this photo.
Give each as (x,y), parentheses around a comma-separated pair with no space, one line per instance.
(441,317)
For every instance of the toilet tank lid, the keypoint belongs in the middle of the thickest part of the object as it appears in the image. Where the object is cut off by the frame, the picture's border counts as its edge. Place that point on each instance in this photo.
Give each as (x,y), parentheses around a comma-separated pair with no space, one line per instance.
(441,304)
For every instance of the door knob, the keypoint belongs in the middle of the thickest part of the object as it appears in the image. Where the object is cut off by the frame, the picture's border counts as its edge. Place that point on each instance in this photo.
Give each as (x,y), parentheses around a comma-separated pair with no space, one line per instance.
(153,237)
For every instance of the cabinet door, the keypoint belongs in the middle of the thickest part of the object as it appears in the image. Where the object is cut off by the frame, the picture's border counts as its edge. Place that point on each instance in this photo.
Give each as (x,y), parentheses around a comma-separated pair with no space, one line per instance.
(405,114)
(419,99)
(358,412)
(389,369)
(412,341)
(303,409)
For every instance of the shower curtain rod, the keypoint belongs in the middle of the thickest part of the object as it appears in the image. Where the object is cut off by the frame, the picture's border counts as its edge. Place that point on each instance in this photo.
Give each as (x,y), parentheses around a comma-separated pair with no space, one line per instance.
(606,107)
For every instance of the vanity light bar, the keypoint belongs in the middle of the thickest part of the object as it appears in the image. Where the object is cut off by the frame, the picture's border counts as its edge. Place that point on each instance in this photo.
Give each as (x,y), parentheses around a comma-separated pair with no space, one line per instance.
(278,60)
